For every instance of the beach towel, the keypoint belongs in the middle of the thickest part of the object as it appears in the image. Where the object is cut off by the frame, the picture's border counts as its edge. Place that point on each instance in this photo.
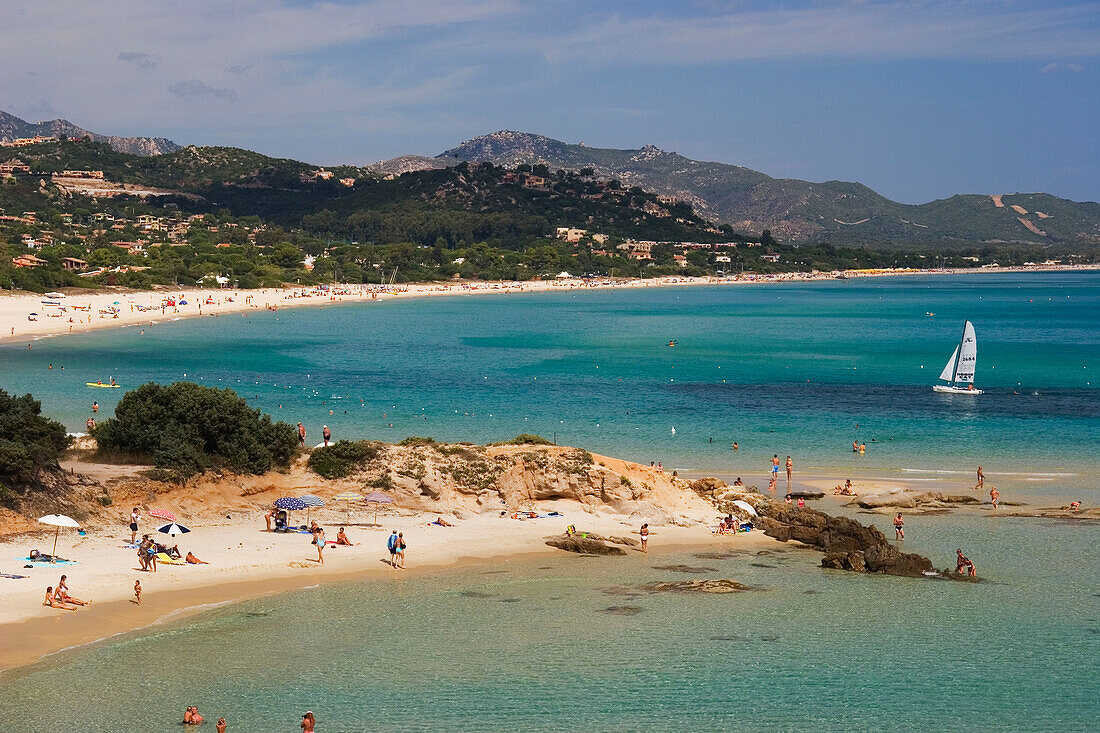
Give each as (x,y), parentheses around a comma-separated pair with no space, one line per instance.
(39,561)
(13,576)
(161,557)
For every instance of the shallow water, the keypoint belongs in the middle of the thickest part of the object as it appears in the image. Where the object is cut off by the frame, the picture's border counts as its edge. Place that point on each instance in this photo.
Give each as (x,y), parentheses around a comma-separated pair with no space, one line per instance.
(800,369)
(534,648)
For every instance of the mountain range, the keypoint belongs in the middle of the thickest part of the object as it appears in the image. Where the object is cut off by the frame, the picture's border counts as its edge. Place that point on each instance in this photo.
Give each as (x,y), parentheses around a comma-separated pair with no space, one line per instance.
(13,128)
(839,212)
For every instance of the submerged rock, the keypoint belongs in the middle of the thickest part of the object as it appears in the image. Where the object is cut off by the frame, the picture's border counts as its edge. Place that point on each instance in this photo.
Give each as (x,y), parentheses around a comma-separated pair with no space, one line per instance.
(698,586)
(683,568)
(802,494)
(622,610)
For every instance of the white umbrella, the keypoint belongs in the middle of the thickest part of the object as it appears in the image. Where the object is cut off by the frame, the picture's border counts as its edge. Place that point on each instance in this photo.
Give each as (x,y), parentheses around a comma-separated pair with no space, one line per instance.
(59,521)
(745,505)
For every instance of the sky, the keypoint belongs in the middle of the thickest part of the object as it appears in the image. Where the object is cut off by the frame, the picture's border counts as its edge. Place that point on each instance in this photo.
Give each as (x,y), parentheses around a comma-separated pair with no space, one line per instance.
(919,99)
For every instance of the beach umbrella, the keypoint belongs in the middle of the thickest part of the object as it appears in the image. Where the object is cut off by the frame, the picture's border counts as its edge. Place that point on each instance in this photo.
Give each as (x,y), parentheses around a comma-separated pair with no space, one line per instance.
(162,514)
(290,503)
(347,497)
(173,529)
(59,521)
(311,501)
(377,498)
(745,505)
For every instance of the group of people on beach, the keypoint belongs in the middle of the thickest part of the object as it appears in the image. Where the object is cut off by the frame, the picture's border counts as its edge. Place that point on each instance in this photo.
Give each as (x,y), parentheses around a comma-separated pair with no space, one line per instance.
(59,597)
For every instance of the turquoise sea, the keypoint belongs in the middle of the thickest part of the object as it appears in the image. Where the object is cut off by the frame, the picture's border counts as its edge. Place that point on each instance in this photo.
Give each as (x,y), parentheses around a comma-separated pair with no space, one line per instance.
(801,369)
(539,646)
(532,645)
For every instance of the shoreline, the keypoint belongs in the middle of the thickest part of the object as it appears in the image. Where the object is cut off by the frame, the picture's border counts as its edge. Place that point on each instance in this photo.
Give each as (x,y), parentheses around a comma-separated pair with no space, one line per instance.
(82,313)
(33,633)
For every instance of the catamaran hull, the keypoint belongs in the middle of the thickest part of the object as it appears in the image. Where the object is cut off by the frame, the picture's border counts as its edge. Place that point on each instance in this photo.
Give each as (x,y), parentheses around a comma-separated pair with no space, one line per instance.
(947,389)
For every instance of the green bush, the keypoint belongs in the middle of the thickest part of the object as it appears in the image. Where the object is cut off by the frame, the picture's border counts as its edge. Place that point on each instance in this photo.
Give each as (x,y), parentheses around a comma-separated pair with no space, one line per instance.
(341,458)
(414,440)
(526,439)
(28,444)
(185,428)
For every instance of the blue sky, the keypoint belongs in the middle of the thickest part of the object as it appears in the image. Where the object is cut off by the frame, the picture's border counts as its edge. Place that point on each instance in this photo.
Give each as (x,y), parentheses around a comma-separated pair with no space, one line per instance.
(919,99)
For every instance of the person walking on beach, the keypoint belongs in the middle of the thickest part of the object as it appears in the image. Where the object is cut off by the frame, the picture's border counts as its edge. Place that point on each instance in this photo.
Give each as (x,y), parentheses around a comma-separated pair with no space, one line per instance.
(326,435)
(899,527)
(134,517)
(301,435)
(644,534)
(994,495)
(981,479)
(391,545)
(401,550)
(790,469)
(319,540)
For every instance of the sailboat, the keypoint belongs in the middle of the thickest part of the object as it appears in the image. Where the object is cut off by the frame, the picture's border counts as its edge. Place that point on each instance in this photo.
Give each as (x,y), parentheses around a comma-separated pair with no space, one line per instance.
(959,372)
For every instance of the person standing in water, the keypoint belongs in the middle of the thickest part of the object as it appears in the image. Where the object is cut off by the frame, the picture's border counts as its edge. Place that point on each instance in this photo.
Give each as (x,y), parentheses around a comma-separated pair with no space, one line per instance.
(790,469)
(95,407)
(994,495)
(644,534)
(899,527)
(981,478)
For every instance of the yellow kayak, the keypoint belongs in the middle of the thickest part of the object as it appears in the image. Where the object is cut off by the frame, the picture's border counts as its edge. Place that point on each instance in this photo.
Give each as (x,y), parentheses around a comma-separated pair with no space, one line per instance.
(104,386)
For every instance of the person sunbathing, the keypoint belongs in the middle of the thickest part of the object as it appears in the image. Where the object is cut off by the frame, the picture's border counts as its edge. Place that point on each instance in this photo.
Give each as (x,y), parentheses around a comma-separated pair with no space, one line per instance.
(194,560)
(440,521)
(53,602)
(342,538)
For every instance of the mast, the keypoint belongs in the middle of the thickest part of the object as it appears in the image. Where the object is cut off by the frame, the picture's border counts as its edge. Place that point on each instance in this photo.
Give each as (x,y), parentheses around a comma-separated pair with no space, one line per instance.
(958,354)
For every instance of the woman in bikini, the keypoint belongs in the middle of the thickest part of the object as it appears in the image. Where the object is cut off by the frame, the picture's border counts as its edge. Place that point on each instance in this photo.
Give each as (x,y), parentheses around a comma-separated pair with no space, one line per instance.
(53,602)
(62,593)
(644,534)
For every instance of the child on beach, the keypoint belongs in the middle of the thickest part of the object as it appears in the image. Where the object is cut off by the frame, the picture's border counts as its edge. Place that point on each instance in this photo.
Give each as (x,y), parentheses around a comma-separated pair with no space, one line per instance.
(137,592)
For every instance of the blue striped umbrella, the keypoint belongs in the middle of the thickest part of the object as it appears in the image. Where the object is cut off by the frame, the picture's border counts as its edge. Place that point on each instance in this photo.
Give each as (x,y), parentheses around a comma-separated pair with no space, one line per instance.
(310,502)
(290,503)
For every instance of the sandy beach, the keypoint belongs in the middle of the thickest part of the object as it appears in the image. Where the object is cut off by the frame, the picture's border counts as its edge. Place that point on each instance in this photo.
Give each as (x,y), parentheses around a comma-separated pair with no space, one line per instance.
(246,561)
(80,312)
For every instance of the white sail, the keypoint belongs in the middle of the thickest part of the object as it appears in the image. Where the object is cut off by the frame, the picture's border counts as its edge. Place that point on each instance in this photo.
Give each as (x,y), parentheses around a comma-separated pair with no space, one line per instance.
(949,370)
(968,355)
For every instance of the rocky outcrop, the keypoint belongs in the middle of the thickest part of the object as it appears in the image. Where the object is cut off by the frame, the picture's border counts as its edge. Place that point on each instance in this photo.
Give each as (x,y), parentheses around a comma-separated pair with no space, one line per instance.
(584,545)
(806,494)
(847,544)
(908,499)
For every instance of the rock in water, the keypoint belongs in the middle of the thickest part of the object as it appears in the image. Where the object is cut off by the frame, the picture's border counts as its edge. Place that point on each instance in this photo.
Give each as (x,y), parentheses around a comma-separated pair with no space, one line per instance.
(622,610)
(584,545)
(806,494)
(698,586)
